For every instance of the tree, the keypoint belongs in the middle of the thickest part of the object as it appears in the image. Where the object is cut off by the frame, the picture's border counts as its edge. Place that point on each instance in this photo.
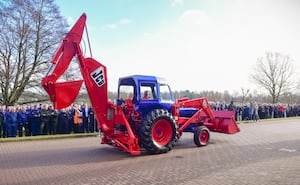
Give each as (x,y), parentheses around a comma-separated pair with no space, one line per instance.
(226,97)
(245,93)
(274,72)
(30,32)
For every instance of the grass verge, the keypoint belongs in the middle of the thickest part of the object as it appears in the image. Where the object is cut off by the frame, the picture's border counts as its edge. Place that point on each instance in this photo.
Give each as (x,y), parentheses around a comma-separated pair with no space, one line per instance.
(46,137)
(270,119)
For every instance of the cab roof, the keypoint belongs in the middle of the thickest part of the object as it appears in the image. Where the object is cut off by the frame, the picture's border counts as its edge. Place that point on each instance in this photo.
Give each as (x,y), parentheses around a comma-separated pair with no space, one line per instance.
(141,78)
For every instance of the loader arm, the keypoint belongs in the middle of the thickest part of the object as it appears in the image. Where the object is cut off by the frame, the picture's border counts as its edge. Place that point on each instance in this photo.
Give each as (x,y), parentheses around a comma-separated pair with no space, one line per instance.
(216,121)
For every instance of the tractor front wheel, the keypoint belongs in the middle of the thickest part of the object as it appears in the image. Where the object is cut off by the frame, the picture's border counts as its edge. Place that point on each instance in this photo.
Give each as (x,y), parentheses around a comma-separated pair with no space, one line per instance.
(158,132)
(201,136)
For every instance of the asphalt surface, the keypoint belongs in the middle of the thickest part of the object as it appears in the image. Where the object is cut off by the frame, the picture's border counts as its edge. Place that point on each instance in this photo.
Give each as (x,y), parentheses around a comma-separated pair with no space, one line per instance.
(262,153)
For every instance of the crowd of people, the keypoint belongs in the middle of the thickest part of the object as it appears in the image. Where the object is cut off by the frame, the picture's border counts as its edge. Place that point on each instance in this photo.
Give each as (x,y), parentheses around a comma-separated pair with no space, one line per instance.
(255,111)
(33,120)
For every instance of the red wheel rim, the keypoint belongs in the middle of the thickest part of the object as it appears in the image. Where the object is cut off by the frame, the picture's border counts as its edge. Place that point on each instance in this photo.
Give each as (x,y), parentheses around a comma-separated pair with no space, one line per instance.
(203,136)
(162,132)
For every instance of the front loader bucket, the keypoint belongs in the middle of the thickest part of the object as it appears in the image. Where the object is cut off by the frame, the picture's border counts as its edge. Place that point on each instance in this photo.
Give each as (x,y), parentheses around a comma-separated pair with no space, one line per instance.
(226,122)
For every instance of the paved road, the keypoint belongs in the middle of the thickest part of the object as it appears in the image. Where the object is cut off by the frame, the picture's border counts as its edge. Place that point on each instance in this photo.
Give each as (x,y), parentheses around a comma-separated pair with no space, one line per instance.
(262,153)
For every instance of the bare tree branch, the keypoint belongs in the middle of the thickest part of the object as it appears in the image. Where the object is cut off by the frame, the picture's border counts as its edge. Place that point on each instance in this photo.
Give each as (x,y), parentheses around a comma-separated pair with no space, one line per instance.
(31,29)
(274,72)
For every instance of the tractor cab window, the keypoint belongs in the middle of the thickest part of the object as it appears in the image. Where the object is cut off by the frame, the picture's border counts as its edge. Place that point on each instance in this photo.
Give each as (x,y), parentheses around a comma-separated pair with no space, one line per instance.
(126,92)
(165,93)
(148,91)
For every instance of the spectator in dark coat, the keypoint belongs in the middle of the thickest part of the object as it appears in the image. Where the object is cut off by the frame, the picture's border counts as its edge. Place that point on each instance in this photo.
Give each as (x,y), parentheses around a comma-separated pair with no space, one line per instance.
(53,120)
(63,122)
(92,126)
(11,121)
(1,122)
(246,113)
(28,130)
(35,120)
(22,121)
(45,120)
(85,117)
(71,111)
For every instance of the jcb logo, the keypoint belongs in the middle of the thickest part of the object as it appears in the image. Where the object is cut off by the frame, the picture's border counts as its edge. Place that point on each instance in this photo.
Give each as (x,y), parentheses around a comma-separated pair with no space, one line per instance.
(98,76)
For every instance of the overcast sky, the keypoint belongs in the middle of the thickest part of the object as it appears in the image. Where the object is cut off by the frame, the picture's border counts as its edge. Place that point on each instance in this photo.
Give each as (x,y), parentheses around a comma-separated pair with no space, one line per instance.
(195,44)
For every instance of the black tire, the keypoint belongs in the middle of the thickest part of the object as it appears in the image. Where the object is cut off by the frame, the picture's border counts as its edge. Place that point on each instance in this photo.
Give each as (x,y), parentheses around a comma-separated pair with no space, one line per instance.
(201,136)
(178,136)
(158,132)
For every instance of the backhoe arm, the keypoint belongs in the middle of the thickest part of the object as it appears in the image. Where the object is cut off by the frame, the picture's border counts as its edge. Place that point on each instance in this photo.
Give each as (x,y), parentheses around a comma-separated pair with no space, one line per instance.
(63,94)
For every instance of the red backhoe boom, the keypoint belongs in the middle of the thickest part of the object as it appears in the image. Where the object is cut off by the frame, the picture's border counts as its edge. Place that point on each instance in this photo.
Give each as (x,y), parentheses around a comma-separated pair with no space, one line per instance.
(63,94)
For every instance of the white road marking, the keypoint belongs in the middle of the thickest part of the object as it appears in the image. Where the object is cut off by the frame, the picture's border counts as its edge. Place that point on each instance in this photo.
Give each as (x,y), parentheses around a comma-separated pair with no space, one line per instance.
(287,150)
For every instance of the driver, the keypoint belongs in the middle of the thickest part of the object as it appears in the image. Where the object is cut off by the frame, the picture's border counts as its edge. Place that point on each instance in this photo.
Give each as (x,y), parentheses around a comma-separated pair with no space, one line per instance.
(146,95)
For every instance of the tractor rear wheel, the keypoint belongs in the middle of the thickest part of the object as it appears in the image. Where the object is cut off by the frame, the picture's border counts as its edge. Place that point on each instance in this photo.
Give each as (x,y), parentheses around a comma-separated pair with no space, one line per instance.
(158,132)
(201,136)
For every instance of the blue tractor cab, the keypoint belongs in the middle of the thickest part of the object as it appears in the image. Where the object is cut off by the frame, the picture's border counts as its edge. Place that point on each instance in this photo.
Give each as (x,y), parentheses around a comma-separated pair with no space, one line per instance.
(149,93)
(146,92)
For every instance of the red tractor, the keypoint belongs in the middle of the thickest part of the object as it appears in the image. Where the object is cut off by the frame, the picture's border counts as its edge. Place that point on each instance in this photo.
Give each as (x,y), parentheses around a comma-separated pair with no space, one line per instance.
(145,116)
